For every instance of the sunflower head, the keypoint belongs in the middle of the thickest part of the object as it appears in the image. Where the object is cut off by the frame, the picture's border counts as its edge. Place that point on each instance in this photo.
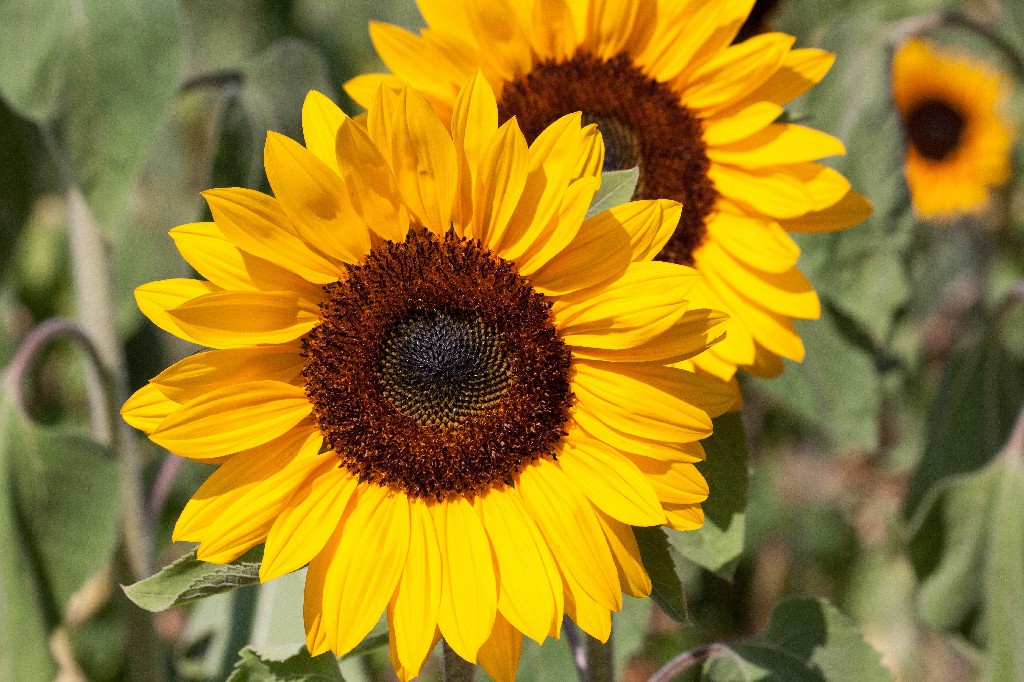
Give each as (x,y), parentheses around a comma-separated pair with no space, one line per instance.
(958,143)
(434,380)
(674,97)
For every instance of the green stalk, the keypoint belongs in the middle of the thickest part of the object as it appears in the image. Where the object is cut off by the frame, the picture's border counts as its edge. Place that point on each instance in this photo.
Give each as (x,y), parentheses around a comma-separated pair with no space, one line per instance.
(456,668)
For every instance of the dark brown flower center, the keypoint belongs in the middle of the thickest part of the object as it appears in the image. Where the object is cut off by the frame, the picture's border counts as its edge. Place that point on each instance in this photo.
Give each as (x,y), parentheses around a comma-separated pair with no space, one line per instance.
(436,369)
(934,128)
(643,124)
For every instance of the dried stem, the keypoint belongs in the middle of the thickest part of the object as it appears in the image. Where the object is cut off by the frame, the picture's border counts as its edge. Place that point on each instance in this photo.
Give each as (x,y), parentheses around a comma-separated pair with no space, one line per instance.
(687,660)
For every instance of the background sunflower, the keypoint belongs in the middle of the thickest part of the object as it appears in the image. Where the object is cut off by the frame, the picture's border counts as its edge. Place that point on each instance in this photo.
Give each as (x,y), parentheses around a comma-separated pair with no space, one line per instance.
(958,138)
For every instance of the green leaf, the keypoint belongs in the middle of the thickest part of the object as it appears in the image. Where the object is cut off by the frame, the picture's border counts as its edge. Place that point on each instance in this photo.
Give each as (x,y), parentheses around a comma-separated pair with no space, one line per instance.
(667,570)
(981,392)
(718,545)
(285,664)
(58,527)
(617,188)
(863,271)
(967,548)
(808,640)
(189,579)
(101,76)
(17,167)
(836,388)
(273,88)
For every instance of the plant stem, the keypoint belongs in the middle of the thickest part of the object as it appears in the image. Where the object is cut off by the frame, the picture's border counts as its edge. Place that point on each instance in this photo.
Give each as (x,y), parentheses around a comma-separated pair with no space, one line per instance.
(456,668)
(579,655)
(688,659)
(600,666)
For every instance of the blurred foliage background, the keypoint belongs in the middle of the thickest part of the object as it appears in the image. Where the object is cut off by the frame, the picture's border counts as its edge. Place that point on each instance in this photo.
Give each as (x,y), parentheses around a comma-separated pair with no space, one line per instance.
(876,479)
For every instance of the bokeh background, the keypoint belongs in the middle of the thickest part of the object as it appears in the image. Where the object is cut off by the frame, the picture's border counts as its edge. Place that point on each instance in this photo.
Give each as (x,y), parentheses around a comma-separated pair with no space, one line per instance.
(914,375)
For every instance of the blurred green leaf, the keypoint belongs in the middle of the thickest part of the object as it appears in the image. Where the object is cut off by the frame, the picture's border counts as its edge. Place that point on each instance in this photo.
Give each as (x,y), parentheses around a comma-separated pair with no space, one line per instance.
(17,168)
(285,664)
(863,271)
(981,392)
(58,526)
(808,640)
(617,188)
(269,96)
(189,579)
(967,547)
(837,386)
(718,545)
(99,74)
(666,568)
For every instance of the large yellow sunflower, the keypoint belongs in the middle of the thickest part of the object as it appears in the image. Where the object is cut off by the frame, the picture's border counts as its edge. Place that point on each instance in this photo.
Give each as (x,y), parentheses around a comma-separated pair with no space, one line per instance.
(670,94)
(433,381)
(958,143)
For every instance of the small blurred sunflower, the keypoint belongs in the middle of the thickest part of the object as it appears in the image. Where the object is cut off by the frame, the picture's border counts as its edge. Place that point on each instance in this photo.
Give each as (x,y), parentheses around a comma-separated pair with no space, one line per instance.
(672,96)
(433,381)
(958,143)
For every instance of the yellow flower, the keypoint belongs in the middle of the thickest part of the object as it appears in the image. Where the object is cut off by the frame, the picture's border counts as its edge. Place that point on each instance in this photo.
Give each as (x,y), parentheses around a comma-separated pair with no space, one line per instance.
(670,94)
(433,380)
(958,144)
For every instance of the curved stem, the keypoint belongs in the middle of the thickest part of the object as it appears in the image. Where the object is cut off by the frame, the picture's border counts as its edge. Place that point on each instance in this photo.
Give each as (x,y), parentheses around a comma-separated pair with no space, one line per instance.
(926,23)
(456,668)
(600,666)
(688,659)
(37,341)
(579,656)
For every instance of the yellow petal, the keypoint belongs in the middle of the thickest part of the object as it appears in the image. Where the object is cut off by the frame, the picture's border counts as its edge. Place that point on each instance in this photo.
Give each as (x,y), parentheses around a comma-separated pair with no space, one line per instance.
(755,240)
(257,224)
(474,123)
(231,319)
(685,517)
(420,152)
(414,609)
(560,232)
(738,122)
(650,224)
(778,144)
(469,595)
(645,302)
(826,186)
(648,401)
(599,252)
(499,655)
(505,53)
(314,618)
(204,372)
(369,183)
(800,71)
(364,88)
(321,119)
(235,507)
(593,617)
(156,298)
(688,452)
(610,25)
(308,520)
(848,211)
(569,524)
(695,331)
(611,482)
(406,54)
(365,565)
(499,183)
(233,418)
(206,249)
(786,293)
(632,574)
(674,482)
(777,192)
(530,593)
(736,71)
(147,407)
(313,198)
(553,33)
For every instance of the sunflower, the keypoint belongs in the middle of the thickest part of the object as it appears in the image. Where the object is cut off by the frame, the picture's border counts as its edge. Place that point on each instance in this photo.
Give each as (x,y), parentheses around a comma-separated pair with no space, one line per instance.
(672,96)
(433,380)
(958,144)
